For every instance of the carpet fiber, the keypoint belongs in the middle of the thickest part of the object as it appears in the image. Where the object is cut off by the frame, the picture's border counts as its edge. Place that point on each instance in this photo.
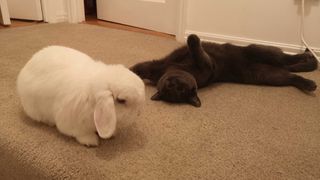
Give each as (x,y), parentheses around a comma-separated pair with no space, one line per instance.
(240,132)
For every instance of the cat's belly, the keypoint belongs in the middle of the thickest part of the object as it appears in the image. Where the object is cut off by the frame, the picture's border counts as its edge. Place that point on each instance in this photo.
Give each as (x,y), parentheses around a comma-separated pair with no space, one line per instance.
(203,80)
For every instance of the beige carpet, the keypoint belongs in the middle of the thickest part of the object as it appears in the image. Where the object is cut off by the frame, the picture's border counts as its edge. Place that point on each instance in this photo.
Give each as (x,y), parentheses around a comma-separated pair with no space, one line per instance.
(240,132)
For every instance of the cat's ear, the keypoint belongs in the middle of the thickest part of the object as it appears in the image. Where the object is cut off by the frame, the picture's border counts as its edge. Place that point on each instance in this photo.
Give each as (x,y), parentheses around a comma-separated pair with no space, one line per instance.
(195,101)
(156,97)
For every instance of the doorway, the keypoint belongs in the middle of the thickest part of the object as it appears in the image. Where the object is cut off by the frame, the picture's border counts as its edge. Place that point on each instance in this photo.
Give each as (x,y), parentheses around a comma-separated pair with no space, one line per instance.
(90,8)
(17,13)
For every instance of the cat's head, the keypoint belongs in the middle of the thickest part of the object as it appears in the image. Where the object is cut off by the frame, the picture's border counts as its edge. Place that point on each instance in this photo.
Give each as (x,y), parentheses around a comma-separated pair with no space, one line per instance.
(177,87)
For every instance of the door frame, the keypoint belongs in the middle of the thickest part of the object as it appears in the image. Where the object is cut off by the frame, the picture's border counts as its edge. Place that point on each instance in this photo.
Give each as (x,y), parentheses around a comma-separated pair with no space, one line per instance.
(5,14)
(75,11)
(182,20)
(76,14)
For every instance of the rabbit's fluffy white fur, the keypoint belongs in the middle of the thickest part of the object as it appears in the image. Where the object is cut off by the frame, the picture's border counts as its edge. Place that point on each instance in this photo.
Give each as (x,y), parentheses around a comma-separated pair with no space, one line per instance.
(64,87)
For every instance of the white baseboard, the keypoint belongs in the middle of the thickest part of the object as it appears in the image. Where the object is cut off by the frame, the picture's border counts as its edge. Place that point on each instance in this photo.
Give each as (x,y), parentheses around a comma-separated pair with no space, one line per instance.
(218,38)
(61,18)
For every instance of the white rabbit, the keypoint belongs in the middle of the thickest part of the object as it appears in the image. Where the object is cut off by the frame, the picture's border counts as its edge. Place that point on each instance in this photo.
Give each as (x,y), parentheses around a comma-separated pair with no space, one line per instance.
(64,87)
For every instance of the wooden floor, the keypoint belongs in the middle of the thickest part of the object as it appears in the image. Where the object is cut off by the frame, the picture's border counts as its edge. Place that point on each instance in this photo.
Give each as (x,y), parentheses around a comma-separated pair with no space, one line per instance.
(93,21)
(20,23)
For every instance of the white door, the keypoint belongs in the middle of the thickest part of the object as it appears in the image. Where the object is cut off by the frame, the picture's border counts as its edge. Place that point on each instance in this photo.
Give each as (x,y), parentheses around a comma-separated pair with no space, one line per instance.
(158,15)
(25,9)
(4,13)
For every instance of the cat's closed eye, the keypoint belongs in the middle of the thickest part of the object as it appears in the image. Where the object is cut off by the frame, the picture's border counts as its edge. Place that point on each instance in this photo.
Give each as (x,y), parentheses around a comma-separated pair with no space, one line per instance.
(170,85)
(179,88)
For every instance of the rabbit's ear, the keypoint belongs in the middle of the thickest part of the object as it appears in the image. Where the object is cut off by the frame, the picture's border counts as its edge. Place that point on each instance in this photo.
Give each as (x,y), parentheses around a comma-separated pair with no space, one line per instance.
(105,115)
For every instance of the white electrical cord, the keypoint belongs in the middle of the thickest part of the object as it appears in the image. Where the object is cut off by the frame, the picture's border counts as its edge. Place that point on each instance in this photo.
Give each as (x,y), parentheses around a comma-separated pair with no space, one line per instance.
(302,31)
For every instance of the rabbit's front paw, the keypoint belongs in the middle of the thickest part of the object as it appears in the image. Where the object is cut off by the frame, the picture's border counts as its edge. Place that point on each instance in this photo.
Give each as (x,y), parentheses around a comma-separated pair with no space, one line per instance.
(88,140)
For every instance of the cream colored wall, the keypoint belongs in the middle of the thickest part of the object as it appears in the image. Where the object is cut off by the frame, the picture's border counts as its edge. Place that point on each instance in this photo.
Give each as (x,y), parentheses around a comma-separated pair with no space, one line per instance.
(272,22)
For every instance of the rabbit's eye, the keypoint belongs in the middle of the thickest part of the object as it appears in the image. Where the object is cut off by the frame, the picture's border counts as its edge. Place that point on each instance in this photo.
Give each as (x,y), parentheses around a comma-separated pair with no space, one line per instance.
(121,101)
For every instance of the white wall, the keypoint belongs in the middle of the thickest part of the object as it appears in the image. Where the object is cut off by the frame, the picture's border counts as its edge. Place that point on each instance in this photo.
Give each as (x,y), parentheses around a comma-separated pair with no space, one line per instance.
(271,22)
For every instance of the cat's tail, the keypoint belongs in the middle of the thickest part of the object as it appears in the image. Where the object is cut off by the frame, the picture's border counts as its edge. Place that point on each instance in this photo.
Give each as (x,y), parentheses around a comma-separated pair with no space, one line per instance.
(304,62)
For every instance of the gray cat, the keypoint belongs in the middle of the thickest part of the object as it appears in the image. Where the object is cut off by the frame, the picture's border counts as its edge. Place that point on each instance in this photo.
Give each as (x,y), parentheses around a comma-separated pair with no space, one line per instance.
(199,64)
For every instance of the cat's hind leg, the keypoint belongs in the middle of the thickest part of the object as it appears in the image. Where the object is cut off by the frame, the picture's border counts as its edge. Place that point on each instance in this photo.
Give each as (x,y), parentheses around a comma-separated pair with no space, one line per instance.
(264,54)
(262,74)
(275,56)
(301,62)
